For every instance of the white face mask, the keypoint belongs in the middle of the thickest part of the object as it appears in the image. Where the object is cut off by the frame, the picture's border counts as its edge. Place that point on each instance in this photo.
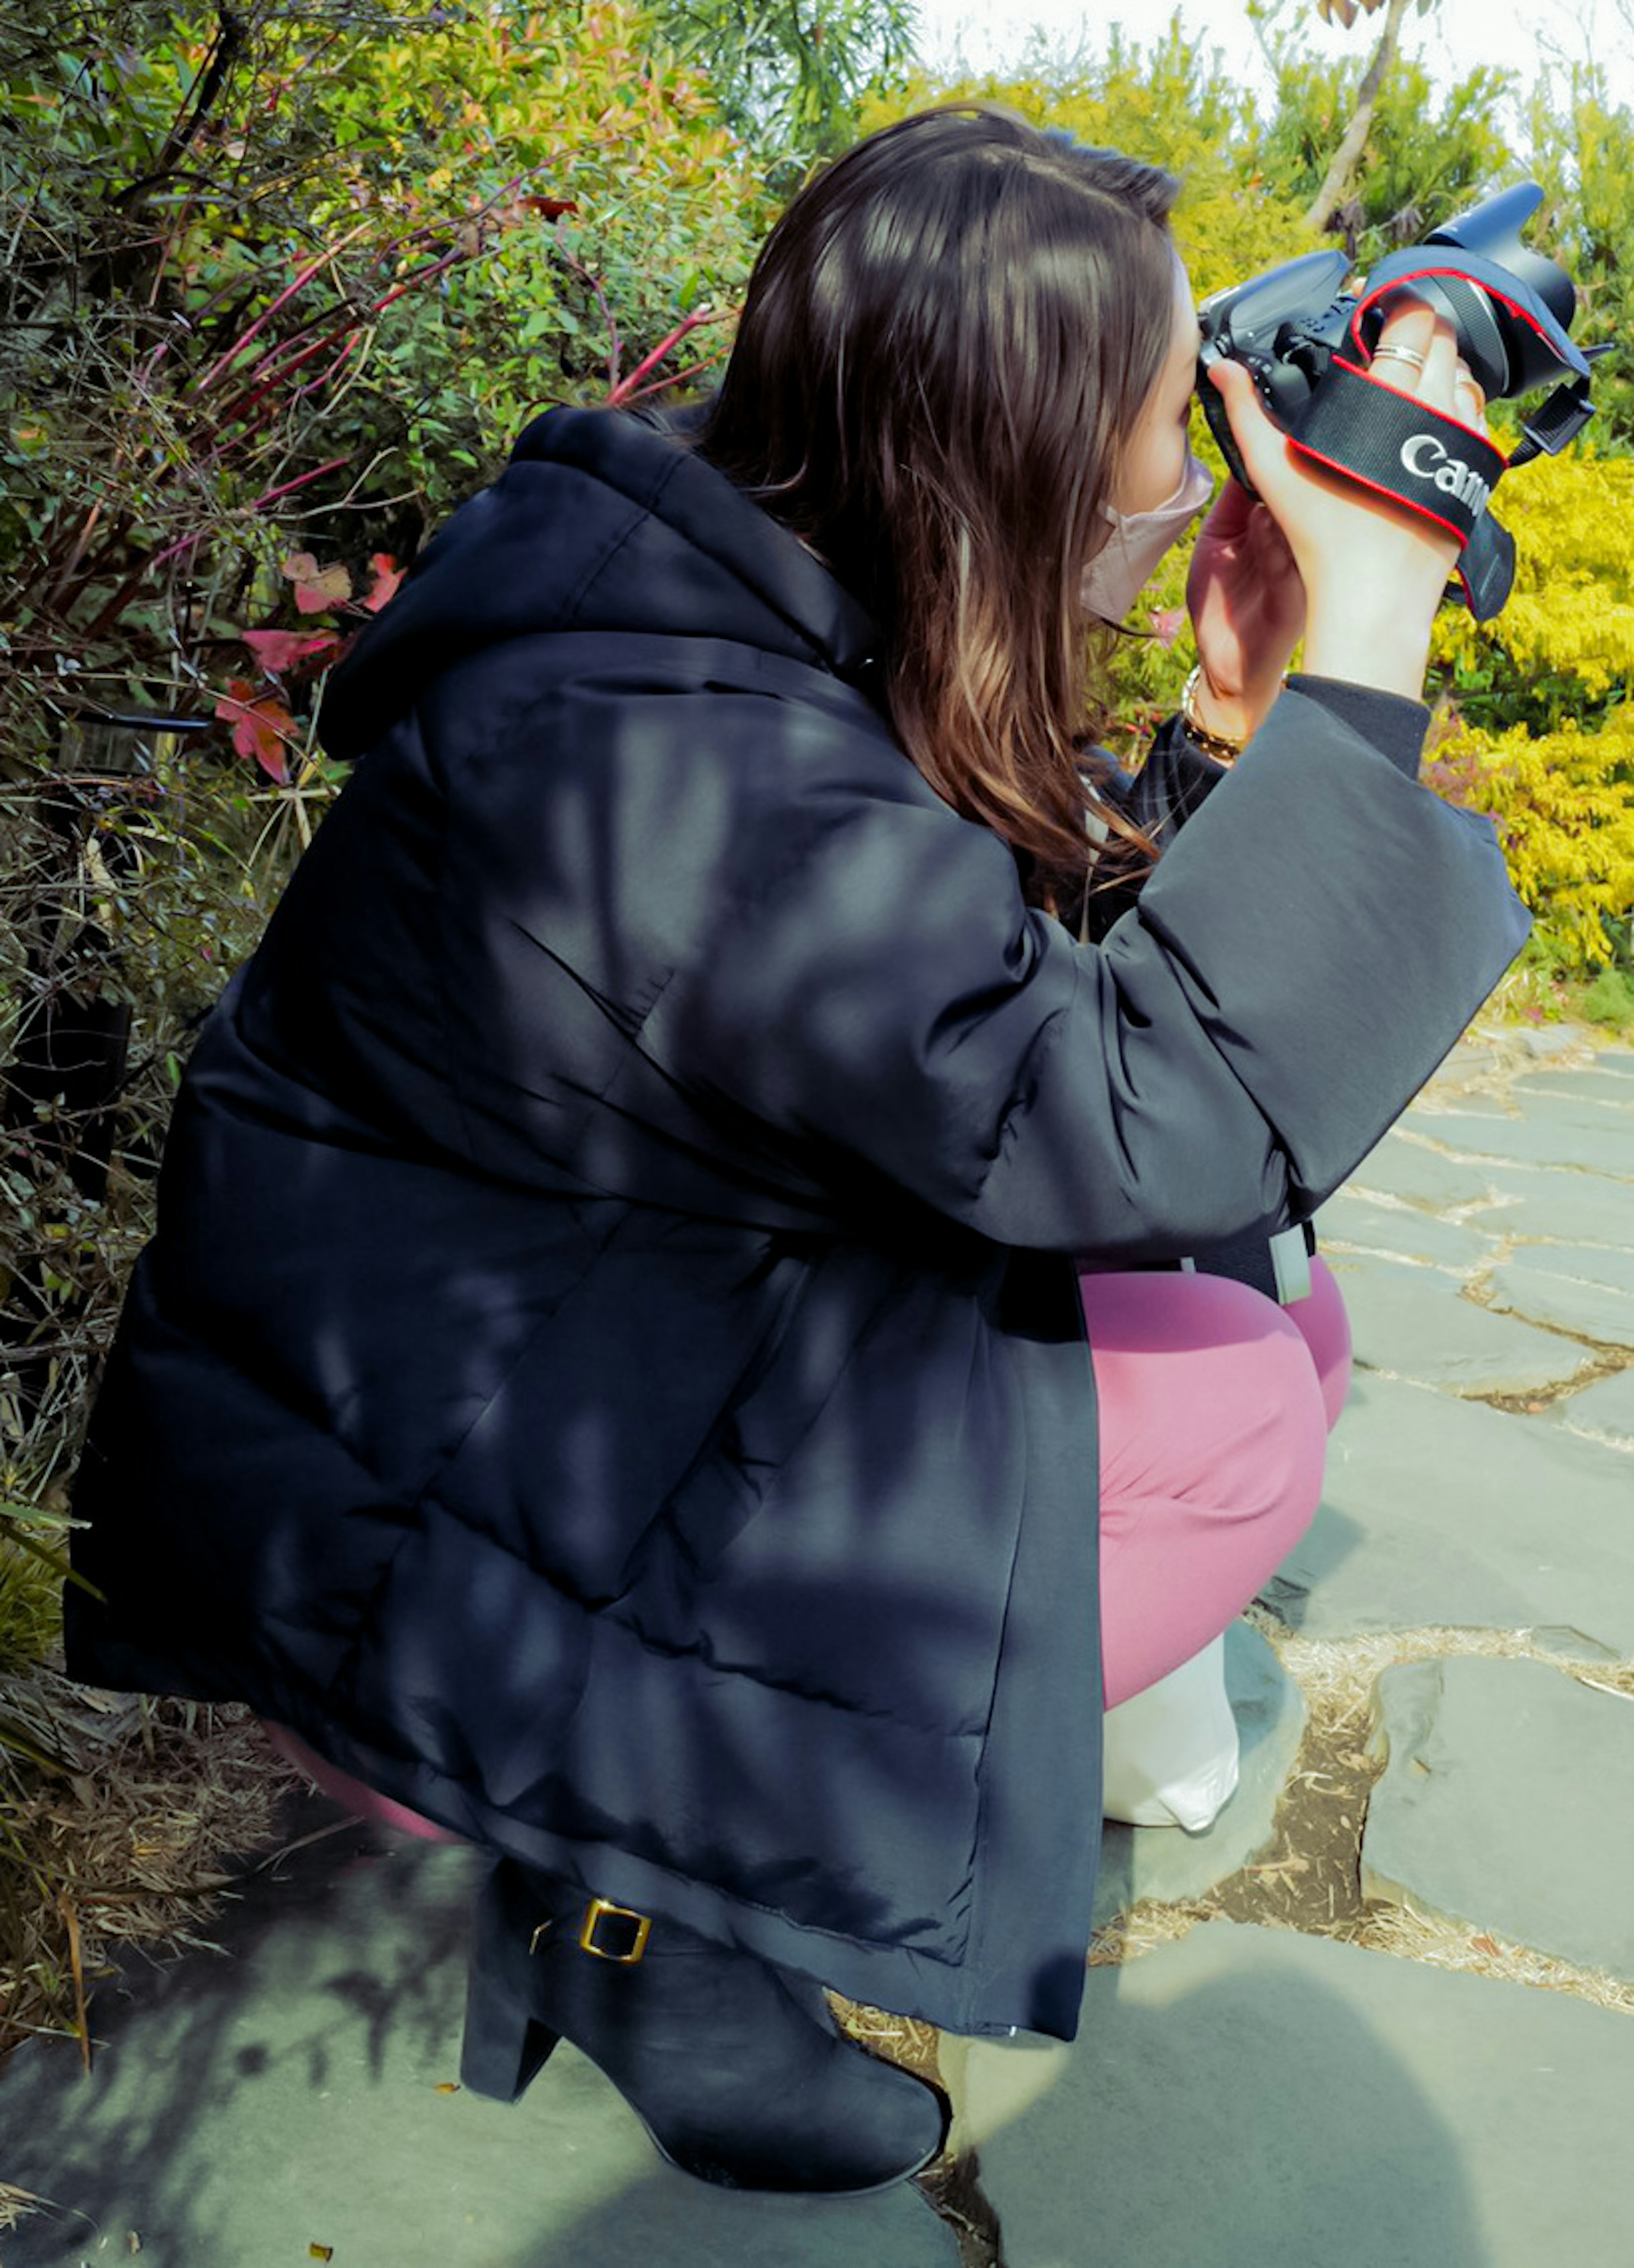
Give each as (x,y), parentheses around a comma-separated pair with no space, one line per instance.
(1130,555)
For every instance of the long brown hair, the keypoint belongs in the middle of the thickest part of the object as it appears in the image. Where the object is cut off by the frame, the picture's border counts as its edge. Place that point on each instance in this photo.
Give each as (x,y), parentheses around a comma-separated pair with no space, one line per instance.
(947,341)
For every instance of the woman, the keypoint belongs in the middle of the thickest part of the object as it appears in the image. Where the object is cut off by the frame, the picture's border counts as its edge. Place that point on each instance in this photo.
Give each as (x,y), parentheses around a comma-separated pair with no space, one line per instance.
(612,1376)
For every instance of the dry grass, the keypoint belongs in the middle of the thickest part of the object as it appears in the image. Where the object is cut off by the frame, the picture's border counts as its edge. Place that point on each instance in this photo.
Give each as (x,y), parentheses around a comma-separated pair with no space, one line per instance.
(1414,1936)
(115,1812)
(1338,1675)
(113,1833)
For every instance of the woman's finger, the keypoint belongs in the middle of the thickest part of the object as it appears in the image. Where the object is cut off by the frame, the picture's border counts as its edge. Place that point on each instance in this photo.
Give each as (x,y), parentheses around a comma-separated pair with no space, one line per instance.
(1261,443)
(1471,401)
(1405,340)
(1438,381)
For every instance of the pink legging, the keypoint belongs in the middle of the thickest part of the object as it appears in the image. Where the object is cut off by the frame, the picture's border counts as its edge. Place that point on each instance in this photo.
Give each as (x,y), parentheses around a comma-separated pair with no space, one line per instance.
(1215,1406)
(1215,1410)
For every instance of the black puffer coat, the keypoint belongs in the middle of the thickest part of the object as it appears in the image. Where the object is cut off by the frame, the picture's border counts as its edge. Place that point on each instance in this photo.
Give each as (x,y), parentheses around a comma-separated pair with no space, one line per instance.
(609,1373)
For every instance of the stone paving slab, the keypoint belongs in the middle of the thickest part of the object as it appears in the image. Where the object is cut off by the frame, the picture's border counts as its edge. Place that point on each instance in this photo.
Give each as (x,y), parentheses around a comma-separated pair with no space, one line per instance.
(1166,1862)
(1546,1041)
(1599,1265)
(1402,1167)
(1586,1289)
(1570,1208)
(1603,1412)
(1402,1232)
(1506,1804)
(1548,1137)
(1251,2098)
(244,2107)
(1441,1510)
(1410,1323)
(1599,1085)
(1608,1108)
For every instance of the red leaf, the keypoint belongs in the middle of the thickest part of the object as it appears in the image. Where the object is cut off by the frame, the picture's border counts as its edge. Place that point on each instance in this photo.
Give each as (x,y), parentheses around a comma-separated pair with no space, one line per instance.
(277,650)
(316,587)
(388,576)
(262,727)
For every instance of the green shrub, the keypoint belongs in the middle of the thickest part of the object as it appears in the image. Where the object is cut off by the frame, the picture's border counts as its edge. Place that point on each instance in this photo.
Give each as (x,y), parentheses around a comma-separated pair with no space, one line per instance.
(1578,143)
(1428,155)
(1609,1000)
(280,286)
(1171,104)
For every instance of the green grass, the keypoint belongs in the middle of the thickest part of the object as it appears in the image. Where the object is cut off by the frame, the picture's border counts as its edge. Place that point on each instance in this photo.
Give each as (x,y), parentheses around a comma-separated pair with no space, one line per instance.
(1609,1001)
(1543,989)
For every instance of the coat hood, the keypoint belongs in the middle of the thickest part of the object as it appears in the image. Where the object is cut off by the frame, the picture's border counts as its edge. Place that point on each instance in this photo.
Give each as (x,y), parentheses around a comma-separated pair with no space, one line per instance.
(601,521)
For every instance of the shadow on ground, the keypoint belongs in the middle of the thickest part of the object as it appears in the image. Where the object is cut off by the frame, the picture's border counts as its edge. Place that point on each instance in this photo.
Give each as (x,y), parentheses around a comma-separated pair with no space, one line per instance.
(285,2093)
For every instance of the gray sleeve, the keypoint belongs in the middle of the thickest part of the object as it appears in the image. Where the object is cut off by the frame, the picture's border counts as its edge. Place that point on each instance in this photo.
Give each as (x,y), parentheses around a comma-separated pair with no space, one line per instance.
(1310,946)
(1176,779)
(1388,722)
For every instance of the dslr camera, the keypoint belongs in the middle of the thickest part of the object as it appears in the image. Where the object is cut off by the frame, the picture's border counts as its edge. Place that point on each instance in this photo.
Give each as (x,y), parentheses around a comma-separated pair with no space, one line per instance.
(1308,345)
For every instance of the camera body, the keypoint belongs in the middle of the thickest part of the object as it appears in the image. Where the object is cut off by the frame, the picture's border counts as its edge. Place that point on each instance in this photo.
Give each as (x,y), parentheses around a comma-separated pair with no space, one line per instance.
(1308,344)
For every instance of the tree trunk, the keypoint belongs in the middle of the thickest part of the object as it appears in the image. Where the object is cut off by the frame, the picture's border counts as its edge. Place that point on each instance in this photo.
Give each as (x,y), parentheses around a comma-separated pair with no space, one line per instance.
(1342,172)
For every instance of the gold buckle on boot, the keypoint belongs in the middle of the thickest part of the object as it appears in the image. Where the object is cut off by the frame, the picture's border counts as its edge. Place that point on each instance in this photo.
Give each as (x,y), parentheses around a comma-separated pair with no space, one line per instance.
(600,1909)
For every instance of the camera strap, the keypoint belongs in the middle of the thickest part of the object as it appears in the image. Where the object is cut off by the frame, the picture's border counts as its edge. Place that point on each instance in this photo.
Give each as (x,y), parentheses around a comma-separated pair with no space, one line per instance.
(1362,426)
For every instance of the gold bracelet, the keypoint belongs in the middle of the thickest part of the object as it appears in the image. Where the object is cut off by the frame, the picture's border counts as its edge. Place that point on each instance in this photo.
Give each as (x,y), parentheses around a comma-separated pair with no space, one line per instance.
(1219,745)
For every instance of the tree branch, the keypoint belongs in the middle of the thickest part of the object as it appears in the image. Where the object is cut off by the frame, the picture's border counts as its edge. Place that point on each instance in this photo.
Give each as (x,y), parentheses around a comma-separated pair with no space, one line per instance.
(1347,158)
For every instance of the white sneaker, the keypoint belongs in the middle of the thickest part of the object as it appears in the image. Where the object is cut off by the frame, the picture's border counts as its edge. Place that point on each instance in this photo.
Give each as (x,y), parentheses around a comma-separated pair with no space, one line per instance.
(1170,1756)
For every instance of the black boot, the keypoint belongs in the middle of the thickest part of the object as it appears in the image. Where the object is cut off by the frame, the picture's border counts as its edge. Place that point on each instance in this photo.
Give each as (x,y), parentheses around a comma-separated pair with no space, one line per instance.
(734,2067)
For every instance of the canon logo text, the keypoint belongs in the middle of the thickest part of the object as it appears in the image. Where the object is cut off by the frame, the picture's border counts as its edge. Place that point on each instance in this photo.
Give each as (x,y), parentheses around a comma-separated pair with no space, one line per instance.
(1426,459)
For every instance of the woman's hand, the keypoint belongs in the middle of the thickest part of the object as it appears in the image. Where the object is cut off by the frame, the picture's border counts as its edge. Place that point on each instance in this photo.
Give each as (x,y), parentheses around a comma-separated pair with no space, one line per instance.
(1247,603)
(1374,572)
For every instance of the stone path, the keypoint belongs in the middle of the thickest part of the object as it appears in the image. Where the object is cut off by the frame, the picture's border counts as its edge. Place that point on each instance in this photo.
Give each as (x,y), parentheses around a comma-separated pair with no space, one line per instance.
(1241,2097)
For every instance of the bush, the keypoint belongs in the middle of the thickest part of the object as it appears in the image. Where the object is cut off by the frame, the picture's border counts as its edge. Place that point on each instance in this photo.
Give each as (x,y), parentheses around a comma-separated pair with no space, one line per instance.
(285,282)
(1563,801)
(1609,1000)
(289,279)
(1536,727)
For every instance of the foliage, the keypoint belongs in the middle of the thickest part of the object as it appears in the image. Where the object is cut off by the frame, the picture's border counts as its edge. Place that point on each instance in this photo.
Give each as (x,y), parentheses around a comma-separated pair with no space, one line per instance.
(1171,104)
(1540,734)
(1562,649)
(281,287)
(289,259)
(1609,1000)
(1579,142)
(1425,159)
(1564,805)
(647,211)
(792,79)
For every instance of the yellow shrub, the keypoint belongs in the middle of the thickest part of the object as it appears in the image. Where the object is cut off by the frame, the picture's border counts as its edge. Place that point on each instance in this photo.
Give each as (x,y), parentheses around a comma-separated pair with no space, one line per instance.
(1564,805)
(1560,784)
(1571,614)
